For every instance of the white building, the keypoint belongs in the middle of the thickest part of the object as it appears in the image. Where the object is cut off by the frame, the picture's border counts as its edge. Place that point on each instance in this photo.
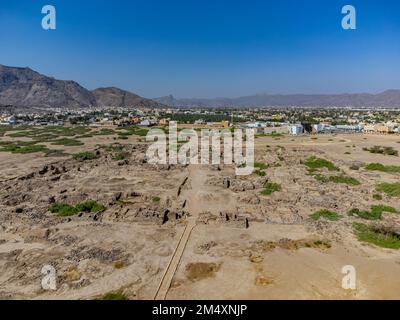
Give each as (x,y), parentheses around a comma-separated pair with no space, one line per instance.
(145,123)
(317,128)
(296,129)
(255,125)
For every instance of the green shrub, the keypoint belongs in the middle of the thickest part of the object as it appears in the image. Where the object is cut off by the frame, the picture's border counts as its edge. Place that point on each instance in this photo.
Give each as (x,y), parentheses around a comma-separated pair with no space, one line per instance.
(315,163)
(84,156)
(120,156)
(63,209)
(390,151)
(364,214)
(383,168)
(377,196)
(379,236)
(260,173)
(345,180)
(383,208)
(336,179)
(90,206)
(66,210)
(260,165)
(270,188)
(327,214)
(156,199)
(55,153)
(391,189)
(375,213)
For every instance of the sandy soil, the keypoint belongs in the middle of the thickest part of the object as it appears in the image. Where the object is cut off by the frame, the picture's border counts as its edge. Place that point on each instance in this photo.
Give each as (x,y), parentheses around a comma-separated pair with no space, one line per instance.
(196,232)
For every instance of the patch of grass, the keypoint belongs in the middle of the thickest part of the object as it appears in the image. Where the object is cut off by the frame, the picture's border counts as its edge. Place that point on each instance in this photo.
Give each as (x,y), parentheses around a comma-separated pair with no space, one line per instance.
(375,213)
(20,147)
(326,214)
(129,131)
(345,180)
(391,189)
(44,138)
(19,134)
(66,210)
(105,132)
(379,236)
(63,209)
(51,132)
(384,208)
(320,244)
(114,296)
(4,130)
(84,136)
(390,151)
(260,173)
(156,199)
(315,163)
(125,133)
(364,214)
(90,206)
(377,196)
(270,188)
(117,151)
(141,132)
(336,179)
(271,135)
(67,142)
(17,143)
(115,147)
(56,153)
(260,165)
(85,156)
(120,156)
(383,168)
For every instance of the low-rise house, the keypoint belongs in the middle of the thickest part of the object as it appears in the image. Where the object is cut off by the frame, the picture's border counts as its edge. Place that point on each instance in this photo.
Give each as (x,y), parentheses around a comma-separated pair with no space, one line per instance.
(369,128)
(296,129)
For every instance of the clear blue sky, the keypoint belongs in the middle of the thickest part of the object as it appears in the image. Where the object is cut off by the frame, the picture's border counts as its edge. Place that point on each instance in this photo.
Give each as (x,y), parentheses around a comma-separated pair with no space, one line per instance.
(208,48)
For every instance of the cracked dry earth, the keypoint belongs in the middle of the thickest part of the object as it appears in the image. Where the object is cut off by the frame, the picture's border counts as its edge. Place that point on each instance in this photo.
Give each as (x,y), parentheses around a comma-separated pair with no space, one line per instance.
(192,232)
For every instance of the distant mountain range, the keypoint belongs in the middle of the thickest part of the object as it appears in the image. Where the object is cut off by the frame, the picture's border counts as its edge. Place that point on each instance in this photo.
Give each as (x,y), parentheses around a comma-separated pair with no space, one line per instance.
(390,99)
(23,87)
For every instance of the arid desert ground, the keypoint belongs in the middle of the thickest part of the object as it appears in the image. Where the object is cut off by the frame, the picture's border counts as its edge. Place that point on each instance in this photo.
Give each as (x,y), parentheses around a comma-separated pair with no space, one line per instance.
(198,231)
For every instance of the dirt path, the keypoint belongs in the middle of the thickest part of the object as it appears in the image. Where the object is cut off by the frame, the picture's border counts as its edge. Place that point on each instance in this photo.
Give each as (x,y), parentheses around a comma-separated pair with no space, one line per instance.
(165,284)
(198,197)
